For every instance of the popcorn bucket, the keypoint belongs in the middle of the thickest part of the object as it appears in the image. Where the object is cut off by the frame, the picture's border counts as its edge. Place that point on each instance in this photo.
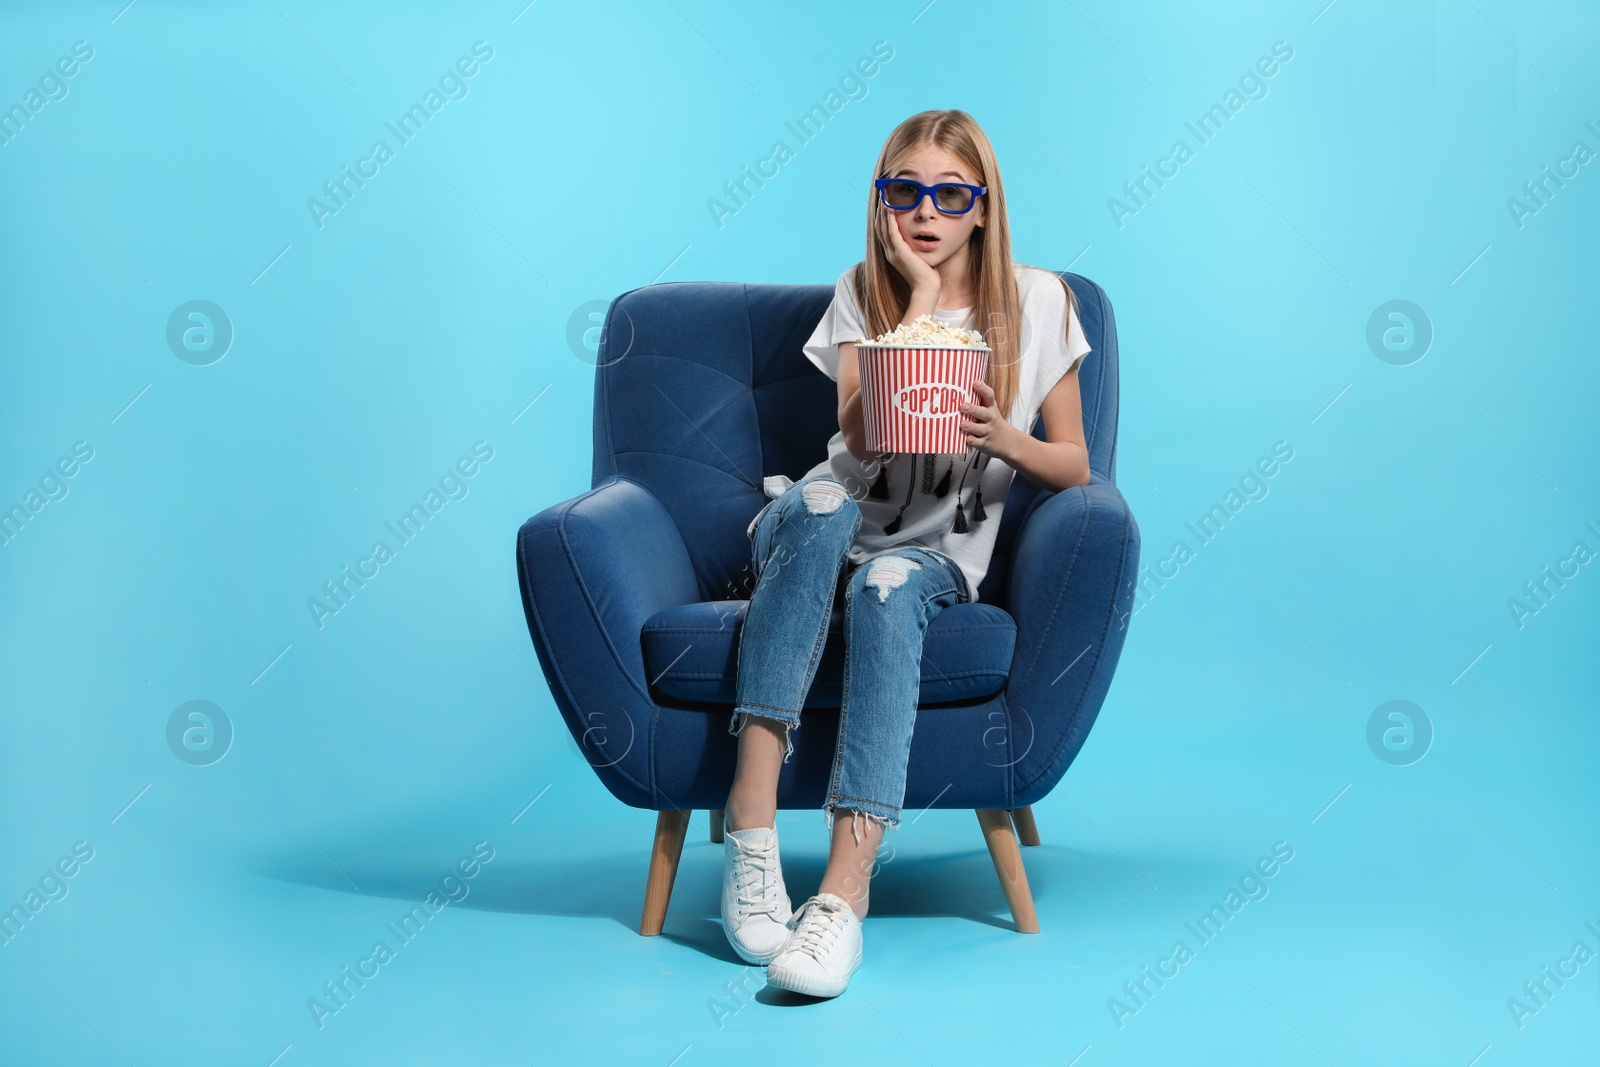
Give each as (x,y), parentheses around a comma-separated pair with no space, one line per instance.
(911,395)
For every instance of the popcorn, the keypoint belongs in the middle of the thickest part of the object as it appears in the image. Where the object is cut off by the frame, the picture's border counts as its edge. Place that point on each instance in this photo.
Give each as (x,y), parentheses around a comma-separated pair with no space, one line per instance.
(927,331)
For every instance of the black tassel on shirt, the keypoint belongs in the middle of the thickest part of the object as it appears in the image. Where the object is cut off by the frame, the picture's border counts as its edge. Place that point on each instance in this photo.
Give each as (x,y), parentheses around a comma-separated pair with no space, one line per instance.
(894,524)
(880,488)
(960,525)
(977,496)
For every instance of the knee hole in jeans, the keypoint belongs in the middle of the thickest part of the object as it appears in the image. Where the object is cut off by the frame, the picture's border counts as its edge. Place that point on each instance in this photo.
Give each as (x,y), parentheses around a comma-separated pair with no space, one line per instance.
(887,573)
(823,496)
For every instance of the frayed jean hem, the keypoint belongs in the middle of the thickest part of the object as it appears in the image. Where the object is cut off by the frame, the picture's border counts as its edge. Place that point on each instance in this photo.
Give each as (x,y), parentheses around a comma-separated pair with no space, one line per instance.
(790,720)
(884,815)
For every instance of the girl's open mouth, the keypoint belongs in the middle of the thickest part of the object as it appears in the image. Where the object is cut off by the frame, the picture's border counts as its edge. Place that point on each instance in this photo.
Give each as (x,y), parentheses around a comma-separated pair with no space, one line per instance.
(925,242)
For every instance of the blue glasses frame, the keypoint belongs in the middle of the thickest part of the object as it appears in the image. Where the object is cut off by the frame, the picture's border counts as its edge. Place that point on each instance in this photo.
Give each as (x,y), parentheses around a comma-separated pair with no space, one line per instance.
(883,184)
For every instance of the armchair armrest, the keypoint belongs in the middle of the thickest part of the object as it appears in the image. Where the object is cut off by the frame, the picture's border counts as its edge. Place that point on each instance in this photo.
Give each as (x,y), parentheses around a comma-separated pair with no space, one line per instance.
(592,570)
(1071,594)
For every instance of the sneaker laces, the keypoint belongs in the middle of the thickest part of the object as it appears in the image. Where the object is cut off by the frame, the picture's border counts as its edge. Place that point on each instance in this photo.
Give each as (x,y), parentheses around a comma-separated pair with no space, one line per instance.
(756,886)
(816,926)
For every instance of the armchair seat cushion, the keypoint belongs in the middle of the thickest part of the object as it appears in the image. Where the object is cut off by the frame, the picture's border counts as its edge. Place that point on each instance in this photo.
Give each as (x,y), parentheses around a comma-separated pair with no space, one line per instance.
(691,654)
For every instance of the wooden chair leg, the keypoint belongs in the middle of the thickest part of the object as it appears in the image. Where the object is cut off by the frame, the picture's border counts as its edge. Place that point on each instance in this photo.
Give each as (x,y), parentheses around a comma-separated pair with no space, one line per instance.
(671,828)
(1002,841)
(716,827)
(1027,829)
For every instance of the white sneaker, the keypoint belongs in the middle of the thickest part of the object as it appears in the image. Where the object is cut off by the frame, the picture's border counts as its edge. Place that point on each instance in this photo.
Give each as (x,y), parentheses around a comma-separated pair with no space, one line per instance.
(755,906)
(824,950)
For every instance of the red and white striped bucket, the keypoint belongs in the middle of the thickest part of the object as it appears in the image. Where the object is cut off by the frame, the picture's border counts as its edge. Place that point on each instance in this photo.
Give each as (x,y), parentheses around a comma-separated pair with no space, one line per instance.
(911,396)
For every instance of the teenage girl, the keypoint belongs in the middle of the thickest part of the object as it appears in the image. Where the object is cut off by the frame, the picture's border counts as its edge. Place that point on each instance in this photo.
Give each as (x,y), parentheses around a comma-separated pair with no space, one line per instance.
(938,244)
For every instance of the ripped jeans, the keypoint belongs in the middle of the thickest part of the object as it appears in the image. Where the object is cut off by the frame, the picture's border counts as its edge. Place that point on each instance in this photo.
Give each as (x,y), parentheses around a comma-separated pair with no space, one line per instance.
(801,543)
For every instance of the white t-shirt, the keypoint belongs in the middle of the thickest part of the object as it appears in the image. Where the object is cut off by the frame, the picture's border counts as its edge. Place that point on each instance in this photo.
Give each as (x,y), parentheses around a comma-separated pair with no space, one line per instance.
(1049,350)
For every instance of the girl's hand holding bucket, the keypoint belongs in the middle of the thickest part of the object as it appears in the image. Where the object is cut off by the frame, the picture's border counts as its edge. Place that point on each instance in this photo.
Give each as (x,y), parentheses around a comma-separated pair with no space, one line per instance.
(985,427)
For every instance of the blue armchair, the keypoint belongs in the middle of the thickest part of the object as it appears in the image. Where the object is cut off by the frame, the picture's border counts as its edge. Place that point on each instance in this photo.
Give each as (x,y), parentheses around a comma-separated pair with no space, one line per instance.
(635,591)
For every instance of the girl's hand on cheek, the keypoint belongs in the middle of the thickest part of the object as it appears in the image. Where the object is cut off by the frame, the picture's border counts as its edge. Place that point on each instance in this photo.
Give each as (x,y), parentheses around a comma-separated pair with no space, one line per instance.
(920,276)
(986,429)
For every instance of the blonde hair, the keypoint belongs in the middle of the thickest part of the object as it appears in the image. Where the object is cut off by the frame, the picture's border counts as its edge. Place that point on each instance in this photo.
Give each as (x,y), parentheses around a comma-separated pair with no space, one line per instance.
(882,292)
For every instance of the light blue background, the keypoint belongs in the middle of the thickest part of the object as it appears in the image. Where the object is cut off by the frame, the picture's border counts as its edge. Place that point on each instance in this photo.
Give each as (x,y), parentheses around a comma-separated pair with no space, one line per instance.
(436,307)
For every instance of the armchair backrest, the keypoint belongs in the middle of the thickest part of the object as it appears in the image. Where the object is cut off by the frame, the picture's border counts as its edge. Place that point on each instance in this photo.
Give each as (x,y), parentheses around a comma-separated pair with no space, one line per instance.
(702,390)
